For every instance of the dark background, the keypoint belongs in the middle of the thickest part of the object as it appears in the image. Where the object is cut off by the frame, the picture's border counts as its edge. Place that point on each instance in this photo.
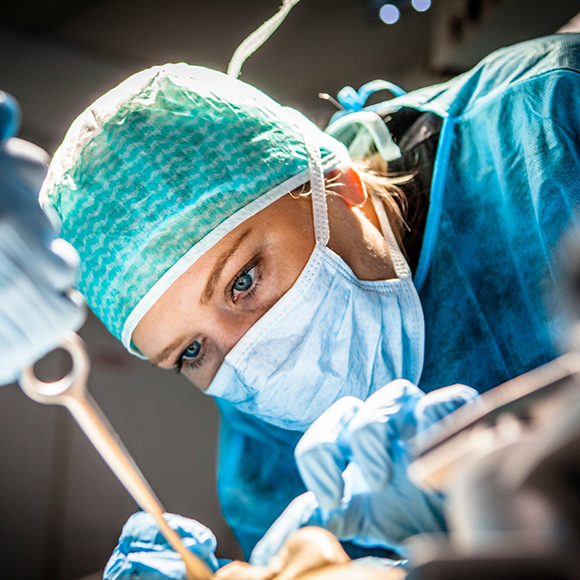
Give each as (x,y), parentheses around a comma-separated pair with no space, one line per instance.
(61,510)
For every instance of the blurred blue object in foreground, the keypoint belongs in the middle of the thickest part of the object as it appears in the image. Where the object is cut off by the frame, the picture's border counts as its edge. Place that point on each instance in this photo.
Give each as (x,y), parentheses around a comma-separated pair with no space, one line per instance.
(354,461)
(143,552)
(37,270)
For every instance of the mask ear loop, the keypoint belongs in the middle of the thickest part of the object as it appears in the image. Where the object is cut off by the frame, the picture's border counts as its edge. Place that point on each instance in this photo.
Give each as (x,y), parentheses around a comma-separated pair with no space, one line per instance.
(319,208)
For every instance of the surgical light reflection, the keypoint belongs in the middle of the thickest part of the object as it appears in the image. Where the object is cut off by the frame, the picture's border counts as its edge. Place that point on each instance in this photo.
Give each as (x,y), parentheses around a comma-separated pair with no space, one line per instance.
(389,13)
(421,5)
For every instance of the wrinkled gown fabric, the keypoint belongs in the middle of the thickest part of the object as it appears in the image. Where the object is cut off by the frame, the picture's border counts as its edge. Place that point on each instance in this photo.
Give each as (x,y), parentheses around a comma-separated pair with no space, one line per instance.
(505,187)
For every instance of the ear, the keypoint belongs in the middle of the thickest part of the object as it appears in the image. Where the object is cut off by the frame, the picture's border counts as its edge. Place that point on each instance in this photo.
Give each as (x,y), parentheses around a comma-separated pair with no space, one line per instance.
(351,188)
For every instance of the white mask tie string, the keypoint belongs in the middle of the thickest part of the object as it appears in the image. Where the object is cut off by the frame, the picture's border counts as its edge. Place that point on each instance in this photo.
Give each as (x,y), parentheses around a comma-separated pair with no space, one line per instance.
(257,38)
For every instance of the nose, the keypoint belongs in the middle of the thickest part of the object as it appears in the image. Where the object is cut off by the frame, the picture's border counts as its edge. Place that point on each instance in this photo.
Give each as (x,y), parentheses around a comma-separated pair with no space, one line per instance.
(231,328)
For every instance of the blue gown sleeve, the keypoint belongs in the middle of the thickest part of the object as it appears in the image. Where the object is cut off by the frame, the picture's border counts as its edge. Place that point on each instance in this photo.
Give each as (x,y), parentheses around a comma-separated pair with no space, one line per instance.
(257,473)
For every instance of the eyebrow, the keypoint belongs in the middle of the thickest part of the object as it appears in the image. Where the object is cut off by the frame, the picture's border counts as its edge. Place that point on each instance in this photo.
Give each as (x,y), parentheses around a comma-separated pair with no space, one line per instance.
(219,266)
(207,293)
(166,351)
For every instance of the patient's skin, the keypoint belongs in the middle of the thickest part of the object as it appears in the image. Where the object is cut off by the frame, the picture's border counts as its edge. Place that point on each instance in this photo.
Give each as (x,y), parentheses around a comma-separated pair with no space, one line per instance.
(309,554)
(210,307)
(306,549)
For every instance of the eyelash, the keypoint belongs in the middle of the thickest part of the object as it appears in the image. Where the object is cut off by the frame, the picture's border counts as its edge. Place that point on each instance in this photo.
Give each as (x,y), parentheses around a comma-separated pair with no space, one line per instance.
(248,295)
(190,363)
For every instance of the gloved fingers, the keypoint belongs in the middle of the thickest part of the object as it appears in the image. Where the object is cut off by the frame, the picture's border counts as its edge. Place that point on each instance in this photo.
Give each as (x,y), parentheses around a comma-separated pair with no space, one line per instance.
(141,532)
(142,551)
(34,311)
(352,521)
(145,566)
(387,518)
(77,309)
(42,314)
(386,417)
(22,170)
(433,410)
(372,452)
(302,511)
(37,318)
(63,311)
(50,263)
(440,403)
(61,265)
(195,536)
(323,452)
(25,165)
(33,320)
(9,116)
(394,394)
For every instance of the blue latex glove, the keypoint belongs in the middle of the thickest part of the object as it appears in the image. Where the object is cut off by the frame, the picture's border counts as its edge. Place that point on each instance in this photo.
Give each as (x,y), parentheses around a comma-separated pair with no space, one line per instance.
(354,461)
(143,552)
(37,270)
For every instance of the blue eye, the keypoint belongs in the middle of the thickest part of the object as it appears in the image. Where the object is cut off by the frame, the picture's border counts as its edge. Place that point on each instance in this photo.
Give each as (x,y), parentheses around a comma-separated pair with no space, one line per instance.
(245,281)
(245,285)
(192,350)
(192,357)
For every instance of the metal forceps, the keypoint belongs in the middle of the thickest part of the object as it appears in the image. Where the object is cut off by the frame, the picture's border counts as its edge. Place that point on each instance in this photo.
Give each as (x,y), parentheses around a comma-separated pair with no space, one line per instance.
(71,392)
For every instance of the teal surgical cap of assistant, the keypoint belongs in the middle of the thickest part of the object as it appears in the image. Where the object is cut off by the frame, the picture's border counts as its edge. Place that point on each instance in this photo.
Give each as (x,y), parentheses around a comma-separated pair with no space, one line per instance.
(162,167)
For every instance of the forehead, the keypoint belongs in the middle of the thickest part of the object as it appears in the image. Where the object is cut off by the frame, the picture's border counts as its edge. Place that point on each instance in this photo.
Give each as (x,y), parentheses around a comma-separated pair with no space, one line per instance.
(284,222)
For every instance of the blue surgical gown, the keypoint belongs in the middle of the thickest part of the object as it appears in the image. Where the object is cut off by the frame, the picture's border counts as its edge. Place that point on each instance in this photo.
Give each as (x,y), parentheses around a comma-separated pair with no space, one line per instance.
(505,187)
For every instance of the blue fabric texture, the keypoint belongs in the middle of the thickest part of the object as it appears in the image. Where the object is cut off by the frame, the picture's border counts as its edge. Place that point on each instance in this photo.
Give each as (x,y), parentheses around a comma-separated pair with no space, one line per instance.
(506,186)
(257,475)
(36,269)
(510,190)
(143,552)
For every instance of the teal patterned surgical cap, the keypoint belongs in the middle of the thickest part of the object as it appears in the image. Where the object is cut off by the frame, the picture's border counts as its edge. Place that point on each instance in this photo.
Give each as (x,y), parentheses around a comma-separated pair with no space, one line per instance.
(159,169)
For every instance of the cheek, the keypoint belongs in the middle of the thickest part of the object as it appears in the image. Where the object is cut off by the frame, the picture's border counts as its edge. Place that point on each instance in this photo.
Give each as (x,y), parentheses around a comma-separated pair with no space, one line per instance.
(227,330)
(291,264)
(231,326)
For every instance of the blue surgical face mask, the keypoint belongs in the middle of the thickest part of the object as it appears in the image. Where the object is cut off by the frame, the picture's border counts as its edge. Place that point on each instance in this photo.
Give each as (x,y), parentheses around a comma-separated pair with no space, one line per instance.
(329,336)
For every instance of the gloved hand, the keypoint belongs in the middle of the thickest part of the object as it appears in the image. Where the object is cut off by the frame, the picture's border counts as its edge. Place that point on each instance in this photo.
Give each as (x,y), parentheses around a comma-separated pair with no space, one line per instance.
(37,269)
(354,461)
(143,552)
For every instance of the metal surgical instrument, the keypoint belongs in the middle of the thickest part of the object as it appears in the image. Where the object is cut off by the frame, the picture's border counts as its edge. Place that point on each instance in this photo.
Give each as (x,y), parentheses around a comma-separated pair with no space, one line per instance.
(71,392)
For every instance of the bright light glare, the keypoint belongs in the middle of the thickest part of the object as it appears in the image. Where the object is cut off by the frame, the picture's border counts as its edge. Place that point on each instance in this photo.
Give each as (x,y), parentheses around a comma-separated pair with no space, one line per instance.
(389,14)
(421,5)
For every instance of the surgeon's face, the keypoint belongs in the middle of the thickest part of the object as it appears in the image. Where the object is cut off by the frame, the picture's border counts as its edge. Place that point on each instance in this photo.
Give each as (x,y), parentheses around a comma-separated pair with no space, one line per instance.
(193,326)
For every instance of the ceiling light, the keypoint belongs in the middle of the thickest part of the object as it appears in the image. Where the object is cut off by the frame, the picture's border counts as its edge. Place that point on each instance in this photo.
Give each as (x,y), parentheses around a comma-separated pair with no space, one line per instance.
(389,13)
